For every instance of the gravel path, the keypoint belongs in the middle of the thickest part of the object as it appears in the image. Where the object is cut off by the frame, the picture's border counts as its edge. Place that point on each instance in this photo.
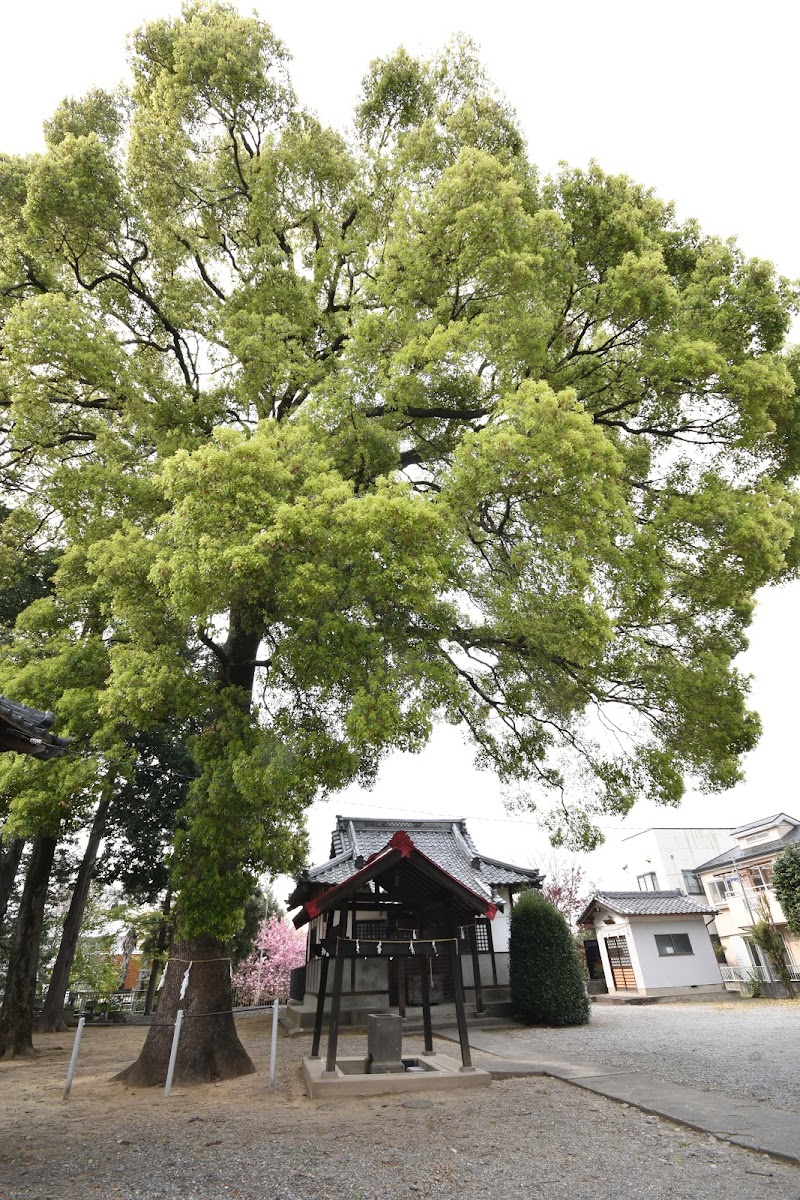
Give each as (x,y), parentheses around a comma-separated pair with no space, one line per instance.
(536,1138)
(749,1048)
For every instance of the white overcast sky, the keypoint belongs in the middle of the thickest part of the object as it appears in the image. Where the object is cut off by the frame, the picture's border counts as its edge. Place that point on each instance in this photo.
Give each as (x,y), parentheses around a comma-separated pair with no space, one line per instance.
(697,98)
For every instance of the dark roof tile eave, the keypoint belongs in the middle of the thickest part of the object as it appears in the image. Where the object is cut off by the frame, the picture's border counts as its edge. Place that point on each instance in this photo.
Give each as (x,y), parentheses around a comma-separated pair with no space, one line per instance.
(649,904)
(744,854)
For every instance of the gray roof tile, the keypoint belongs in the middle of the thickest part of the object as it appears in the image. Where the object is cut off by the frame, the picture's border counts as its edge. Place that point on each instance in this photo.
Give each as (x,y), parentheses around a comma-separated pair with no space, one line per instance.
(448,843)
(765,822)
(649,904)
(744,854)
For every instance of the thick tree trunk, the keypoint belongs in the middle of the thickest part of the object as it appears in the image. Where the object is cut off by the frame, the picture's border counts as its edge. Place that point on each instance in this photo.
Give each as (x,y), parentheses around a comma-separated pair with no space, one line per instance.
(158,957)
(52,1018)
(241,651)
(9,864)
(209,1047)
(16,1018)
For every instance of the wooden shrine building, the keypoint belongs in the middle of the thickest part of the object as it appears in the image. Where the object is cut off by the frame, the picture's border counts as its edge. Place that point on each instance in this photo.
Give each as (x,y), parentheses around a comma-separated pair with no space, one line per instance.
(419,915)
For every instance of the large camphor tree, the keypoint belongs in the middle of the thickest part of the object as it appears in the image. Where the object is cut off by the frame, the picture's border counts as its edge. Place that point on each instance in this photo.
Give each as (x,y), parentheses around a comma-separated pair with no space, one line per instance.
(344,435)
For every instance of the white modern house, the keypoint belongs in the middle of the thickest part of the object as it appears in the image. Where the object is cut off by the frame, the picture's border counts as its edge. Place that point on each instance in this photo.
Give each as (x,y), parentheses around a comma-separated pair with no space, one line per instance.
(654,943)
(661,859)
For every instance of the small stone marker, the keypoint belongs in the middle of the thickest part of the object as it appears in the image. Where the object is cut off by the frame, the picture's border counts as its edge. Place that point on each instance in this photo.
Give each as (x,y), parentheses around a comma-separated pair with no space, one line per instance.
(384,1044)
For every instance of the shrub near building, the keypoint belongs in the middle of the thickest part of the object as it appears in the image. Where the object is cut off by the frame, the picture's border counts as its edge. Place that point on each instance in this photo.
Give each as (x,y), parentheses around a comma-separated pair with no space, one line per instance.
(547,986)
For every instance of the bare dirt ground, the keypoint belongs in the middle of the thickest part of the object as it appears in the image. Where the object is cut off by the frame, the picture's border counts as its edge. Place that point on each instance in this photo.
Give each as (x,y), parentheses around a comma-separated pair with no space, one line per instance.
(531,1138)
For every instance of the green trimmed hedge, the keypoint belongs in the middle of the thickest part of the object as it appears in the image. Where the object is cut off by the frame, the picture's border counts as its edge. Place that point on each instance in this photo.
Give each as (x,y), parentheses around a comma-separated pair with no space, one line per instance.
(547,985)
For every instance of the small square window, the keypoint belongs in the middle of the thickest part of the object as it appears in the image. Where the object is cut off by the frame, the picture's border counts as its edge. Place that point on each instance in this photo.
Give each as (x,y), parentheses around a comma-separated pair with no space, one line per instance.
(673,943)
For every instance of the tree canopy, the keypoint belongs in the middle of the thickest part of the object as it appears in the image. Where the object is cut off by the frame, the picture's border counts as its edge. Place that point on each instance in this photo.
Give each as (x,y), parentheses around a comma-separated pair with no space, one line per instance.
(333,436)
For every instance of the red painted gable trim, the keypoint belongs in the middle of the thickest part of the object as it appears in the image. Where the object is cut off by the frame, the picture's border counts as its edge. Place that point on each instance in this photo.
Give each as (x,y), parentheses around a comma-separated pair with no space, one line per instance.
(402,842)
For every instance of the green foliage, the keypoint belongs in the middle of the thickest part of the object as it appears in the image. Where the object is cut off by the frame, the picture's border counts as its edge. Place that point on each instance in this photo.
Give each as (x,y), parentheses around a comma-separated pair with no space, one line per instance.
(141,823)
(314,440)
(95,968)
(765,935)
(786,884)
(255,911)
(547,979)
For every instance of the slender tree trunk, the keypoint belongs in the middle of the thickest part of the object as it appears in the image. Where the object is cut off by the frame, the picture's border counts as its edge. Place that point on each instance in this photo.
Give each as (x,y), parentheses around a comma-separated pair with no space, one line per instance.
(209,1046)
(9,864)
(52,1018)
(158,957)
(16,1018)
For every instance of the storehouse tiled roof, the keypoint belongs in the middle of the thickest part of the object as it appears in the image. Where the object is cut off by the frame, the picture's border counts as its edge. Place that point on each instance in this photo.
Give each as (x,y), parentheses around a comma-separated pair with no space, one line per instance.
(647,904)
(447,843)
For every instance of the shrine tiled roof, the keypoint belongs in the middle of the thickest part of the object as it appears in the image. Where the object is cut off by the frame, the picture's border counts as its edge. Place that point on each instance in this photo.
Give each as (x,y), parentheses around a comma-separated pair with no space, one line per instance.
(446,842)
(27,731)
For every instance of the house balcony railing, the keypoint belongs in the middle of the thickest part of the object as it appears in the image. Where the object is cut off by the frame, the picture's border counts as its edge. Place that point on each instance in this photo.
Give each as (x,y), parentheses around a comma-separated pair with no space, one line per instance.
(746,974)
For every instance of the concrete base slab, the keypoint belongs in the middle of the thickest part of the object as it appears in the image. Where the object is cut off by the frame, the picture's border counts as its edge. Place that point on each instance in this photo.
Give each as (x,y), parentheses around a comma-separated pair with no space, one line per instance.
(433,1073)
(704,995)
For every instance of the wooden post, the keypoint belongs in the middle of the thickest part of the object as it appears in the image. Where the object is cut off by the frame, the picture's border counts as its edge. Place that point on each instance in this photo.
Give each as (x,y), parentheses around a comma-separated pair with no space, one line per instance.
(353,928)
(401,986)
(318,1017)
(490,939)
(426,1006)
(336,1005)
(461,1016)
(476,968)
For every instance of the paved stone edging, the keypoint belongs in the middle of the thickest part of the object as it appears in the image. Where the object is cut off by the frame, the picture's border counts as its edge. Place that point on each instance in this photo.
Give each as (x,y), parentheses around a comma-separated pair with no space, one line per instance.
(747,1123)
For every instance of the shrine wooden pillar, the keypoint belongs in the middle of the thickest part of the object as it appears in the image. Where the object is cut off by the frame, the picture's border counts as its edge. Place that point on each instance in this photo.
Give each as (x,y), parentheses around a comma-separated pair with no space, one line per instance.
(490,939)
(426,1006)
(318,1016)
(336,1008)
(476,968)
(461,1016)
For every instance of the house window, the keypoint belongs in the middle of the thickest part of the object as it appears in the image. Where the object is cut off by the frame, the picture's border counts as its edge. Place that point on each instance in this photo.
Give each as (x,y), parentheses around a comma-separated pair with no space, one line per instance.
(692,884)
(787,954)
(756,957)
(648,882)
(722,888)
(669,944)
(759,877)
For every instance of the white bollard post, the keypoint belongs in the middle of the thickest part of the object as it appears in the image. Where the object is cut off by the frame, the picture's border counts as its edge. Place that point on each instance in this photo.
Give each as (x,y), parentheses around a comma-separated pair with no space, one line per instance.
(173,1054)
(273,1050)
(74,1058)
